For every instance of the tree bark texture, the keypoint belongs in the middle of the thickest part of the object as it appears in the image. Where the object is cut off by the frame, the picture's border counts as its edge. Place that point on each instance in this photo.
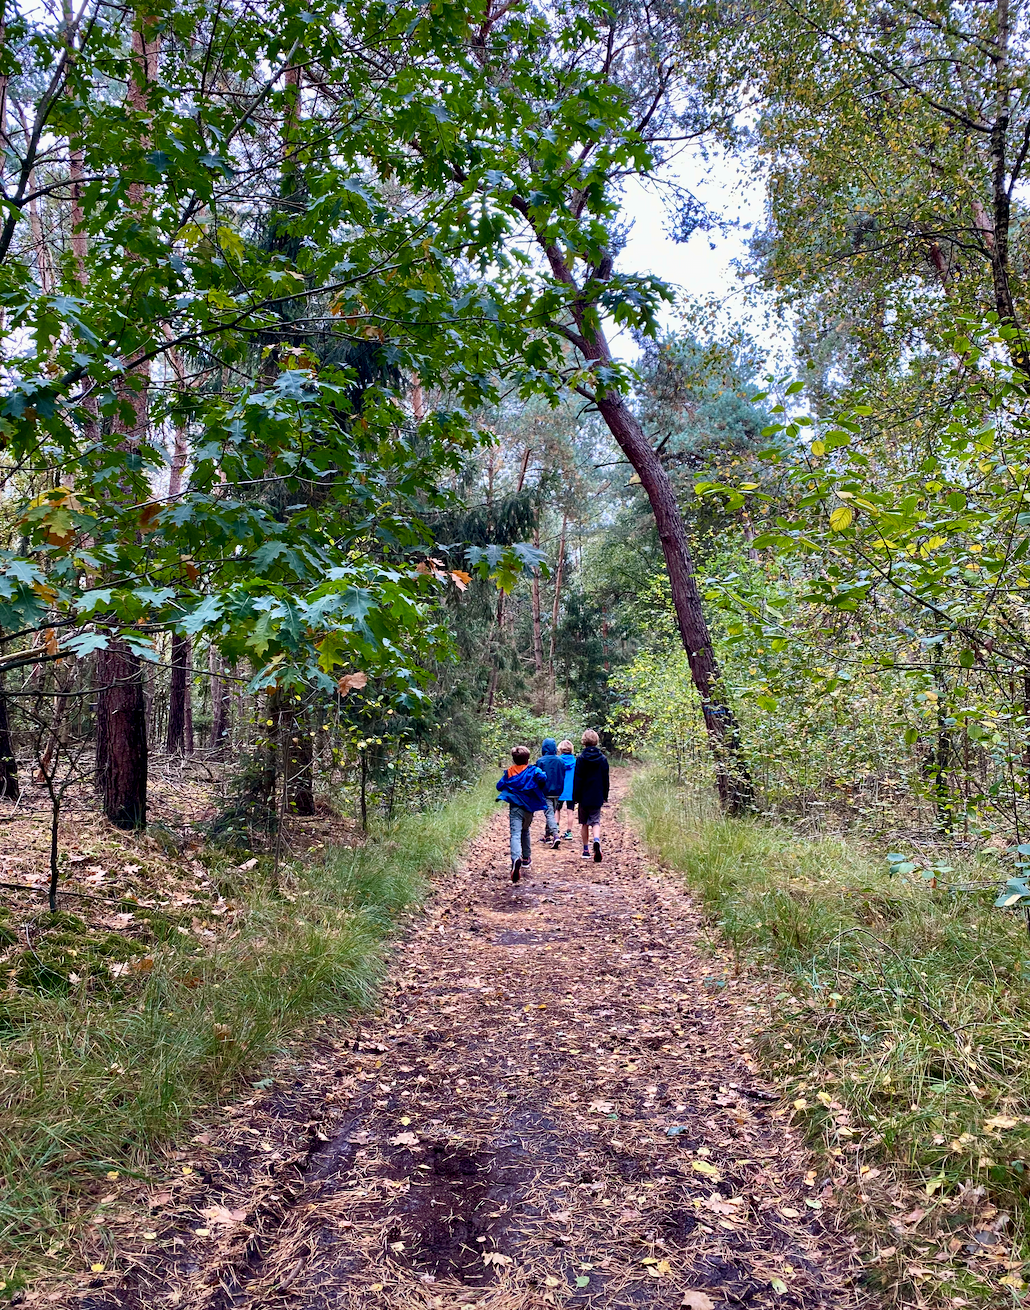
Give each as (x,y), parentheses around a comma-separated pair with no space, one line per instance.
(557,598)
(9,788)
(179,738)
(736,791)
(220,701)
(122,737)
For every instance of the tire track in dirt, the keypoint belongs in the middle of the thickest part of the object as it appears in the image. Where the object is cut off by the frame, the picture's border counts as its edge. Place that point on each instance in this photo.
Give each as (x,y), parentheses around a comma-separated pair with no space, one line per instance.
(553,1106)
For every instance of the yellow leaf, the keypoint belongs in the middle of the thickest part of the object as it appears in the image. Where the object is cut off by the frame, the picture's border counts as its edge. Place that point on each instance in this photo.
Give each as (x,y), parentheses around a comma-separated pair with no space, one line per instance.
(841,518)
(1001,1121)
(709,1170)
(96,1269)
(818,448)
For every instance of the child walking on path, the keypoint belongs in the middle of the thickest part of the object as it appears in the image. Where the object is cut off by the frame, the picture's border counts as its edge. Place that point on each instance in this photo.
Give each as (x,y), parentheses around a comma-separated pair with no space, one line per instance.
(522,786)
(569,760)
(553,769)
(590,791)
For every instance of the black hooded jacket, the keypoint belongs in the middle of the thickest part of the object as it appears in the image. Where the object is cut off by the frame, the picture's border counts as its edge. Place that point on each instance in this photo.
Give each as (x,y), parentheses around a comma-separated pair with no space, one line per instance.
(590,781)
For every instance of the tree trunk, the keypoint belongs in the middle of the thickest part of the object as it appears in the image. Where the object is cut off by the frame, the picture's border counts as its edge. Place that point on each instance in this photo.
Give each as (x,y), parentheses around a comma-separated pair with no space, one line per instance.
(121,763)
(300,785)
(9,788)
(557,597)
(736,791)
(122,737)
(220,704)
(538,638)
(179,738)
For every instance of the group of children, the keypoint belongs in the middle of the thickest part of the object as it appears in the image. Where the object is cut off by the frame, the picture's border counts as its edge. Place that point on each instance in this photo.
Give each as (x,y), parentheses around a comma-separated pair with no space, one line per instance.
(558,779)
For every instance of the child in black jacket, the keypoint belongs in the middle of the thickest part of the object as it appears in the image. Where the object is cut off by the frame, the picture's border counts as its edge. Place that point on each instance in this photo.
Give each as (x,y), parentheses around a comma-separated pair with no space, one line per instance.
(590,791)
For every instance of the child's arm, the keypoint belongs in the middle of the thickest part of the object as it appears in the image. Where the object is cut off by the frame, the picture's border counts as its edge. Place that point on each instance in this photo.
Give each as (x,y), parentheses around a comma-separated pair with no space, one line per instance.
(607,775)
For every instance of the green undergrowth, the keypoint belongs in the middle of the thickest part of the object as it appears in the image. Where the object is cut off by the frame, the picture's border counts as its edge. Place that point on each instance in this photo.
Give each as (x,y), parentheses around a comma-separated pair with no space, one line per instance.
(896,1018)
(106,1051)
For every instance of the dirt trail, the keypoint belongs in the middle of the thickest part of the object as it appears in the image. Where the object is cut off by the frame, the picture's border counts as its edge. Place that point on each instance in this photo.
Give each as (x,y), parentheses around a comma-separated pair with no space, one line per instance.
(553,1106)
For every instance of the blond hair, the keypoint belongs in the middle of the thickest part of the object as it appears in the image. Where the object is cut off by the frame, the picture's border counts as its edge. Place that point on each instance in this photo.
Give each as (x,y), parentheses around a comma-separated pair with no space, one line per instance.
(590,738)
(565,747)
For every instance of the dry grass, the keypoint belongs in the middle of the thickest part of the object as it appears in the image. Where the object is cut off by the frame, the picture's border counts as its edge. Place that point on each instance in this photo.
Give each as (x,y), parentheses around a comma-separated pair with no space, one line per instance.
(115,1027)
(897,1021)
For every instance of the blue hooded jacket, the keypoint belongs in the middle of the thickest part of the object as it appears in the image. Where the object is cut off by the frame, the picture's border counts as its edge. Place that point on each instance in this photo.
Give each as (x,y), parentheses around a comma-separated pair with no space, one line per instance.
(551,764)
(570,768)
(525,788)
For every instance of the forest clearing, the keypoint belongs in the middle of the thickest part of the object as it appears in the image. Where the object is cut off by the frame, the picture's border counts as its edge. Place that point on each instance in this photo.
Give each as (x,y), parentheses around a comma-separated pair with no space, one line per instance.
(628,400)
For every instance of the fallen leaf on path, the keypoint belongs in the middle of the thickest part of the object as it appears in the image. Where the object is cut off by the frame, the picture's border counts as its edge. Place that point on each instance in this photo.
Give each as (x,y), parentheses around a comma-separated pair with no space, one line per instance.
(404,1139)
(221,1214)
(709,1170)
(497,1258)
(697,1301)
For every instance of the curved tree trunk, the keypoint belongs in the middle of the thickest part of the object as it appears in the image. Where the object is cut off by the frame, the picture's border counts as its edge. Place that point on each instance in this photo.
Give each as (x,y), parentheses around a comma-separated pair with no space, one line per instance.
(736,790)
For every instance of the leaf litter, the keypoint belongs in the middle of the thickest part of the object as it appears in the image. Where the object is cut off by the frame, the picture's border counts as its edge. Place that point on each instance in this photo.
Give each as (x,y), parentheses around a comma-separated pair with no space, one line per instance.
(587,1128)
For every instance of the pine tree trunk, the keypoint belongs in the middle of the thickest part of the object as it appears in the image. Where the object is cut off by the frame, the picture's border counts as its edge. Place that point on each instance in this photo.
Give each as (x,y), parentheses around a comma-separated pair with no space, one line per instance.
(122,737)
(9,788)
(736,791)
(557,598)
(179,738)
(220,702)
(538,638)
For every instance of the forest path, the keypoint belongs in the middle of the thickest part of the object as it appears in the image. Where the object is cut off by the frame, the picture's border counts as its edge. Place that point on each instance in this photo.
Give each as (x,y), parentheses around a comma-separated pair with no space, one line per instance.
(553,1106)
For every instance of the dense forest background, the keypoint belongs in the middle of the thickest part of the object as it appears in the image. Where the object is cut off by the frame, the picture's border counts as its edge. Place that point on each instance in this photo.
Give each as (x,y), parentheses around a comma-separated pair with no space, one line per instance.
(316,452)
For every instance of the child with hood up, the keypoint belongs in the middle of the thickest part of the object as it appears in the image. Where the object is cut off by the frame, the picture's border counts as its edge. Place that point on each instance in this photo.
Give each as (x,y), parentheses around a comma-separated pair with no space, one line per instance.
(568,758)
(554,771)
(522,786)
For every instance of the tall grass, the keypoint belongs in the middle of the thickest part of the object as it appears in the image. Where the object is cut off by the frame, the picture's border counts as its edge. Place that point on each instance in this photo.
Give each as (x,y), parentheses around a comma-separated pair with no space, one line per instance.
(897,1016)
(92,1081)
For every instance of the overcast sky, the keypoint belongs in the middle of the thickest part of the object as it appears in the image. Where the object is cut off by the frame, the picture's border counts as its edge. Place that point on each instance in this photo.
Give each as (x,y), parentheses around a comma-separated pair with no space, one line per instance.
(703,266)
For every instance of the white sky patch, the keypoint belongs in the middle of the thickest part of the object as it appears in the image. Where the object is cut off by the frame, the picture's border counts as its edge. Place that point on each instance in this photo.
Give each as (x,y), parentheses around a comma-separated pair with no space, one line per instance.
(704,268)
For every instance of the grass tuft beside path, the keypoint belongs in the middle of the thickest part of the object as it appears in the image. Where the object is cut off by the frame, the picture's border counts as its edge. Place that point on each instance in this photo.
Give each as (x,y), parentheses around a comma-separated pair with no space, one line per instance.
(897,1019)
(95,1075)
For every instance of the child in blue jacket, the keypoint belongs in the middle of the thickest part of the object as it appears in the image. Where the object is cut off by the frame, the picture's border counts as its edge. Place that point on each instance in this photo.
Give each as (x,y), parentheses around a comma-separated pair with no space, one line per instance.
(522,786)
(554,771)
(568,758)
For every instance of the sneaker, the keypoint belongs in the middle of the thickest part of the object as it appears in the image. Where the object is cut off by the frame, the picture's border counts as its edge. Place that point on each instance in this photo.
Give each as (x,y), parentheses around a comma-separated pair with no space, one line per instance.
(586,852)
(516,870)
(567,836)
(597,852)
(556,844)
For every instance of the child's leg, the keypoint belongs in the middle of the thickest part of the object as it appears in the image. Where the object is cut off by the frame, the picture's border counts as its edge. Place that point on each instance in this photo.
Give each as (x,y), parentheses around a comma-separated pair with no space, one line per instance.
(527,836)
(515,813)
(550,819)
(584,829)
